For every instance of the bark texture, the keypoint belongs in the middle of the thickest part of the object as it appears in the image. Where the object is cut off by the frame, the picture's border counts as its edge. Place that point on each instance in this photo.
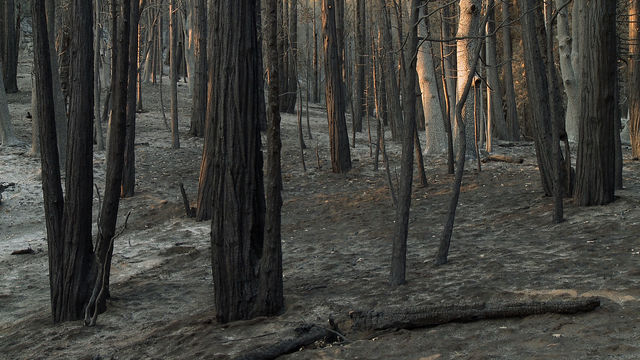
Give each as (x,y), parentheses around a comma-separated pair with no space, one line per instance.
(335,97)
(238,211)
(595,163)
(634,77)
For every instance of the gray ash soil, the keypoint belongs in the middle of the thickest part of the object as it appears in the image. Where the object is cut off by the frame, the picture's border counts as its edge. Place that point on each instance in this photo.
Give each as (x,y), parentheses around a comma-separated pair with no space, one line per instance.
(336,251)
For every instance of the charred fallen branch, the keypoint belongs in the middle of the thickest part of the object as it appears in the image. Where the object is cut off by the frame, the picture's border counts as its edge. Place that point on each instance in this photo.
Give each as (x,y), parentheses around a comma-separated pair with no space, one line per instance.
(304,335)
(428,316)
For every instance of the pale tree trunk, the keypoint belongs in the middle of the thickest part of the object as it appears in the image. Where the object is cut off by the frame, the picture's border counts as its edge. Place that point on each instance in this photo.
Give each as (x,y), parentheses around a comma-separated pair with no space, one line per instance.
(434,123)
(7,135)
(634,77)
(513,126)
(568,45)
(496,124)
(469,29)
(595,162)
(173,72)
(189,20)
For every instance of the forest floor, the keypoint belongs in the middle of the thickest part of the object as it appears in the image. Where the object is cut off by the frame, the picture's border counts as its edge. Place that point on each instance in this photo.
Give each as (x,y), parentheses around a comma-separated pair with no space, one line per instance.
(337,233)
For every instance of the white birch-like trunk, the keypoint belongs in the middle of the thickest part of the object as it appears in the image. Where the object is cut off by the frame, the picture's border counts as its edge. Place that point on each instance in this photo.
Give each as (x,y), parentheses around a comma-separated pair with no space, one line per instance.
(568,51)
(189,51)
(434,123)
(469,29)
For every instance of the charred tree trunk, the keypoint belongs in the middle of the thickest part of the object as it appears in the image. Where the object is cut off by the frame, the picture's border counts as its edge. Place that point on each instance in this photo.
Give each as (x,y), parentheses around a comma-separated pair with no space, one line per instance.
(115,153)
(270,291)
(173,73)
(129,166)
(199,76)
(238,212)
(7,134)
(10,48)
(388,72)
(538,90)
(399,252)
(51,186)
(595,163)
(513,127)
(360,60)
(335,97)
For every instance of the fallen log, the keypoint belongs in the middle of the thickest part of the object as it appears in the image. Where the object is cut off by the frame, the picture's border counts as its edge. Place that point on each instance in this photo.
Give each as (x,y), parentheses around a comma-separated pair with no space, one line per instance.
(23,252)
(428,316)
(305,335)
(503,158)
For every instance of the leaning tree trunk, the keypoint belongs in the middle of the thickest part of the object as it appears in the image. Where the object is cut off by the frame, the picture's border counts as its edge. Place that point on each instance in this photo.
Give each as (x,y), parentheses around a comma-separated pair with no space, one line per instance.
(237,226)
(399,251)
(115,149)
(595,163)
(468,30)
(10,48)
(335,97)
(51,186)
(447,232)
(433,116)
(129,166)
(634,77)
(538,89)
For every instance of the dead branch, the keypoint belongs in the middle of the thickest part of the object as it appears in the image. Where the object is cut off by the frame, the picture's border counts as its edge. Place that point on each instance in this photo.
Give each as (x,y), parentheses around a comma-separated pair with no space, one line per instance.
(305,335)
(187,207)
(503,158)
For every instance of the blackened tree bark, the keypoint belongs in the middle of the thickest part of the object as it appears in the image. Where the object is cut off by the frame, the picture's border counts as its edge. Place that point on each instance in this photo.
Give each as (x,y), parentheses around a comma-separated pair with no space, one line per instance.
(115,153)
(129,166)
(335,97)
(10,48)
(78,257)
(237,226)
(205,180)
(538,90)
(71,259)
(513,127)
(290,93)
(360,59)
(399,252)
(199,76)
(51,186)
(389,71)
(173,72)
(595,163)
(270,291)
